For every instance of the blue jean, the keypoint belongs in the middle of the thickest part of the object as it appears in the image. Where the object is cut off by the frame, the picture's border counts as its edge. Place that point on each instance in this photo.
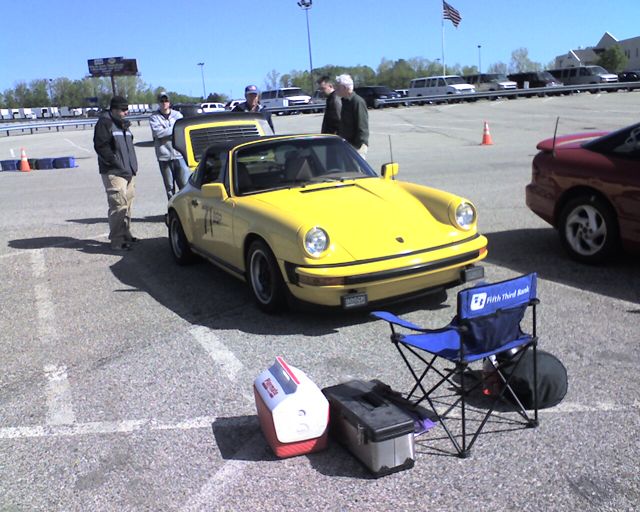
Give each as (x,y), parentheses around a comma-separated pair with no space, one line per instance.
(174,172)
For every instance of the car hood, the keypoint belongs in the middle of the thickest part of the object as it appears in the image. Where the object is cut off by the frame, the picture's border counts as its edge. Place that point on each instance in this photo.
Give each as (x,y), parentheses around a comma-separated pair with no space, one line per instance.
(368,218)
(572,141)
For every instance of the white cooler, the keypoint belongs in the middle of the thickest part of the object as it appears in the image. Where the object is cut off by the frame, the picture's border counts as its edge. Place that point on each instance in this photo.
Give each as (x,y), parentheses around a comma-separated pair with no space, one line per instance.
(293,412)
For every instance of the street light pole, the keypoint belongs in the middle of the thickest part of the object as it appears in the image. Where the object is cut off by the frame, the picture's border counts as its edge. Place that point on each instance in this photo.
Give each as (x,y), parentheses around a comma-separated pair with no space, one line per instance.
(204,93)
(479,59)
(306,5)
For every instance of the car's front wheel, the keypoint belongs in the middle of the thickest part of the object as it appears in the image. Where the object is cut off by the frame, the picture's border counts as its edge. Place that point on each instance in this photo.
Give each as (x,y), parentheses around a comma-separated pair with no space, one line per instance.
(178,241)
(588,229)
(265,279)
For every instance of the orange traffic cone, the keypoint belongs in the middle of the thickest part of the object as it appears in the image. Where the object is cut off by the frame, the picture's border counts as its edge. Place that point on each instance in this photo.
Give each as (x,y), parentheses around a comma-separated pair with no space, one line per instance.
(24,161)
(486,136)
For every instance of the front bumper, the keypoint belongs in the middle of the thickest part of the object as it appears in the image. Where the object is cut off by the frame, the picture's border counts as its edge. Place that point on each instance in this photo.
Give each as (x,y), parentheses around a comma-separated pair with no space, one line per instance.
(361,283)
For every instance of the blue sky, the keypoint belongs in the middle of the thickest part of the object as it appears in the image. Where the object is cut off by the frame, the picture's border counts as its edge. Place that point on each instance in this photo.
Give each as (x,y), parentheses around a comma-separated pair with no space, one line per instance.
(241,41)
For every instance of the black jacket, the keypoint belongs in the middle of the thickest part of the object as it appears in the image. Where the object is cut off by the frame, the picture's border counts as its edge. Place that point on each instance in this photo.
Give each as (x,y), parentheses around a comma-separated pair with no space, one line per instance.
(354,121)
(331,119)
(242,107)
(113,142)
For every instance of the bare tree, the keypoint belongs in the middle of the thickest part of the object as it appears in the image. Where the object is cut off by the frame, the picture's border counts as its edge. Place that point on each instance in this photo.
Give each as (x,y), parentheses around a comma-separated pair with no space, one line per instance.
(271,80)
(520,62)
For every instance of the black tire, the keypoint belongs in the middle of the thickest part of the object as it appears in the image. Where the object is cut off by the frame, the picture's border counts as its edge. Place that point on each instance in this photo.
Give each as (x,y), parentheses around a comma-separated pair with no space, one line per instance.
(588,229)
(178,241)
(264,278)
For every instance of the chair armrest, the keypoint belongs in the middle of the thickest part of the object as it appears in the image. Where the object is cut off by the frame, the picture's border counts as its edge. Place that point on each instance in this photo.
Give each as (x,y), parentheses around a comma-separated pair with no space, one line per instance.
(396,320)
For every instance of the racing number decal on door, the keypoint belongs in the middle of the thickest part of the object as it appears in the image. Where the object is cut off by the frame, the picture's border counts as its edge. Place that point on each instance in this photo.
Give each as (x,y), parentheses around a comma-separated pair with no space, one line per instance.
(211,217)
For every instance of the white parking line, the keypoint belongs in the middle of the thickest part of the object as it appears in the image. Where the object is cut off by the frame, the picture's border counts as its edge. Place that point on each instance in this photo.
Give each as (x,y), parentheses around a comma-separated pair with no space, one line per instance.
(217,350)
(104,427)
(216,486)
(45,310)
(59,408)
(76,146)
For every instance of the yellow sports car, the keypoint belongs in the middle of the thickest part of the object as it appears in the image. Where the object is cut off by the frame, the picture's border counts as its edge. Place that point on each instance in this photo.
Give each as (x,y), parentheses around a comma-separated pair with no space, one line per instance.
(303,217)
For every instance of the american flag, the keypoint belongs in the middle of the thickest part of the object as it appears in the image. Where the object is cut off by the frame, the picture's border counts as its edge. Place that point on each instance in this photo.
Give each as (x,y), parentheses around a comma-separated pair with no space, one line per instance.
(449,13)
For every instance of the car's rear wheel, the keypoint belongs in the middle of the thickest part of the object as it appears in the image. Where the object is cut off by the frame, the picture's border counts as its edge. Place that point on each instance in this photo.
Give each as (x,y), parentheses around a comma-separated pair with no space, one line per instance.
(588,229)
(265,279)
(178,241)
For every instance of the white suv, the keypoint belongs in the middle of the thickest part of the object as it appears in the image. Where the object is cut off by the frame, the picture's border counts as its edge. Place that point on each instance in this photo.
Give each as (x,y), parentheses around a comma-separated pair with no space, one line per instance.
(439,86)
(212,107)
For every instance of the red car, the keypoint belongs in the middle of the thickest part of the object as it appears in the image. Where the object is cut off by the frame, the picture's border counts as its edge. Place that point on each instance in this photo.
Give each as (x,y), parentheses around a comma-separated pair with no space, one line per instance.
(587,186)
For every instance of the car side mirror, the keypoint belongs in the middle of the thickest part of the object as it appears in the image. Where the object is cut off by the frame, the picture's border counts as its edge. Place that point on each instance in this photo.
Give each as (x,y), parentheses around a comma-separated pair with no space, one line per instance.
(389,170)
(214,191)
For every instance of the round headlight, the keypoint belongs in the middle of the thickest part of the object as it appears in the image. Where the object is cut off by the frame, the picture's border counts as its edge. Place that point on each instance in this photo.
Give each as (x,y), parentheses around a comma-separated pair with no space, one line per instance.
(465,215)
(316,241)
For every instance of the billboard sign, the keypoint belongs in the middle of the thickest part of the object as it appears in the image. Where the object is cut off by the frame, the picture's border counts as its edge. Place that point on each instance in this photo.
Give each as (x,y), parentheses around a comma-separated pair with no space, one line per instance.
(112,66)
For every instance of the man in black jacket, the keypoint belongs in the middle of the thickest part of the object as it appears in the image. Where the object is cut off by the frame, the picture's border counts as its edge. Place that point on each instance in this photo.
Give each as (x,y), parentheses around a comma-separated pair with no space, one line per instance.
(252,104)
(333,106)
(354,117)
(118,165)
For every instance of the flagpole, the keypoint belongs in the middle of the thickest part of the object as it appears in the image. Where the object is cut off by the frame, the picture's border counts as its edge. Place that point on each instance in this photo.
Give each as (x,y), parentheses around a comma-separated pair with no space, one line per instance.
(444,66)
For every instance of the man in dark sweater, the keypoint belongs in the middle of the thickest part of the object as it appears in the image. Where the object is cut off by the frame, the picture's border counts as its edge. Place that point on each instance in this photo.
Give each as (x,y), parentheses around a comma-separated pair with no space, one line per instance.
(333,107)
(118,166)
(354,117)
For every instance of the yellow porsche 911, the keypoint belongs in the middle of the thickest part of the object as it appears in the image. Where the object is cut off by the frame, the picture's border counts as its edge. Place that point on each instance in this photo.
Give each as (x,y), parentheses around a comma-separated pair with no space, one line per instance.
(303,217)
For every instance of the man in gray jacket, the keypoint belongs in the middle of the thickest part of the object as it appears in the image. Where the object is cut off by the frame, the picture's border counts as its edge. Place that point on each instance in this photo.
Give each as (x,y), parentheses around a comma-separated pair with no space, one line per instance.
(118,166)
(173,168)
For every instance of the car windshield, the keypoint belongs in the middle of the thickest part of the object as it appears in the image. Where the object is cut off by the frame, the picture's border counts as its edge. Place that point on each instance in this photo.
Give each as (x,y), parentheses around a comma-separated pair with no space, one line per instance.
(496,77)
(454,80)
(623,142)
(292,92)
(545,75)
(296,162)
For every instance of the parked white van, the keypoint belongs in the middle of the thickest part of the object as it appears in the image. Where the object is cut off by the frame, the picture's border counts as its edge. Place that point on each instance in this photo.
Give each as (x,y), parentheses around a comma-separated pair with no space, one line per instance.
(584,75)
(439,86)
(284,97)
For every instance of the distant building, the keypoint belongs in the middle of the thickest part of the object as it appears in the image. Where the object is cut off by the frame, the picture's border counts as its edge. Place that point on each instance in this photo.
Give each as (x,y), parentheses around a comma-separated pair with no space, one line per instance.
(590,55)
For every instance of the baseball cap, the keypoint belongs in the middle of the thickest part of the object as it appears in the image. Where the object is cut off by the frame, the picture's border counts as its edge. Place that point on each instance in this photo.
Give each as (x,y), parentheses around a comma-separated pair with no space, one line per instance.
(251,89)
(161,95)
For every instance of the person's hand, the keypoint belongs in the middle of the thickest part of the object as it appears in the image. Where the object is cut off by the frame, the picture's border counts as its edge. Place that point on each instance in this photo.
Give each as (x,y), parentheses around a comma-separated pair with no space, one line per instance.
(125,124)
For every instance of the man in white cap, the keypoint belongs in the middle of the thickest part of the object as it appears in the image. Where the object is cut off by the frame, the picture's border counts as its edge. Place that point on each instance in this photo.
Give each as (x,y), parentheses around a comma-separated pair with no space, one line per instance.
(173,168)
(252,104)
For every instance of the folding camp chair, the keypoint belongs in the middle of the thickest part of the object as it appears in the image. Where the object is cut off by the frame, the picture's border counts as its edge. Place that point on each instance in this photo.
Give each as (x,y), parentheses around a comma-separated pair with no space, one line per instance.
(485,330)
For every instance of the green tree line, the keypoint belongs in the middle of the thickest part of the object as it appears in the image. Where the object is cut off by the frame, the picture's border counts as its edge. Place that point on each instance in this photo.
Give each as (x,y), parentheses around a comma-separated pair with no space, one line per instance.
(88,92)
(396,74)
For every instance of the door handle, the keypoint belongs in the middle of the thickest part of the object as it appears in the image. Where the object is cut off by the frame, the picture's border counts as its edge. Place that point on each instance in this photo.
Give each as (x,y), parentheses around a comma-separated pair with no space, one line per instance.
(194,202)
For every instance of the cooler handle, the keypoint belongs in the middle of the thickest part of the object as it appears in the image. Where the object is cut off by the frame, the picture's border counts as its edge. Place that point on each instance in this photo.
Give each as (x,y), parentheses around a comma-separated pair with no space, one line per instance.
(284,375)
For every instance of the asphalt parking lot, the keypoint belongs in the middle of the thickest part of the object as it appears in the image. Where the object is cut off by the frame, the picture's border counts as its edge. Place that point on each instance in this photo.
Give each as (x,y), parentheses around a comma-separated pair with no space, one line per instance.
(126,380)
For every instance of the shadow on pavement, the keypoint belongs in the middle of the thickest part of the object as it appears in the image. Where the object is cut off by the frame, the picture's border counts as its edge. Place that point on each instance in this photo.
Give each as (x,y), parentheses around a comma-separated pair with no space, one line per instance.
(103,220)
(539,250)
(204,295)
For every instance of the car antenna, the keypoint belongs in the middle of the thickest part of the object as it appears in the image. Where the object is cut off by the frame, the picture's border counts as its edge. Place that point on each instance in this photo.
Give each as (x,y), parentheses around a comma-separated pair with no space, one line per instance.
(553,147)
(390,148)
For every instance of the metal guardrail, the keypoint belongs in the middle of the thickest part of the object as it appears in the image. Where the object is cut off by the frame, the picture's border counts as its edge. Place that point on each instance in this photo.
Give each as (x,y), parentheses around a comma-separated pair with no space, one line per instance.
(512,93)
(42,125)
(36,126)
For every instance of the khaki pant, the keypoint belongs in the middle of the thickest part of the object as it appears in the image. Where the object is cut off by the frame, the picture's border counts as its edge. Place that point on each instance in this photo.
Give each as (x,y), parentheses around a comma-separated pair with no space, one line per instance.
(120,194)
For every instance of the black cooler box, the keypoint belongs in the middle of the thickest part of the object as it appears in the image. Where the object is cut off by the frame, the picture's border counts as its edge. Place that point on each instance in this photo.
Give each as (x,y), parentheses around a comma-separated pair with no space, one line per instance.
(372,428)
